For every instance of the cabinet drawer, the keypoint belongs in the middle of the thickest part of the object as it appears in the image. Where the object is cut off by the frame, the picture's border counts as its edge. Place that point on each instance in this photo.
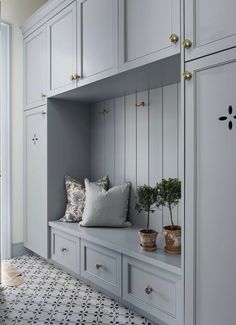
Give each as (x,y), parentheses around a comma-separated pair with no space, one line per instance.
(152,289)
(65,250)
(102,266)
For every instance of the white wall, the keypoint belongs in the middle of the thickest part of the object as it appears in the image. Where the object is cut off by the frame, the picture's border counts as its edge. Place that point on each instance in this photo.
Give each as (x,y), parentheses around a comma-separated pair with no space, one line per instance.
(15,12)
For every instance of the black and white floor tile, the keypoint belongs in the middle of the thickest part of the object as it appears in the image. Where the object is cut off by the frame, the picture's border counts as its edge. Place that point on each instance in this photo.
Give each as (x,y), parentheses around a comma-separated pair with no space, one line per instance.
(51,296)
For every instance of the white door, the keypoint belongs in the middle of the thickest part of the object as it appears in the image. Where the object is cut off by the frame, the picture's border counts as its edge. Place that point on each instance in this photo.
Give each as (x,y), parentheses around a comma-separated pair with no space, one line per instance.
(35,181)
(210,218)
(97,24)
(210,26)
(61,33)
(145,28)
(35,69)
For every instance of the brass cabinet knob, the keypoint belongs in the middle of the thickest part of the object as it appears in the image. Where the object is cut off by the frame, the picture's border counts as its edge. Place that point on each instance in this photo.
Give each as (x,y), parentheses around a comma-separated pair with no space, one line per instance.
(63,249)
(186,44)
(174,38)
(72,77)
(44,113)
(98,266)
(43,95)
(148,290)
(187,75)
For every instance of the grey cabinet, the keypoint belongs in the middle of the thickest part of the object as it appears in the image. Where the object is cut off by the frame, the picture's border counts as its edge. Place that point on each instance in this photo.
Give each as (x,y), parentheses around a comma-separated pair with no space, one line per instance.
(65,250)
(35,180)
(210,26)
(35,68)
(150,288)
(145,28)
(97,39)
(61,38)
(101,266)
(210,190)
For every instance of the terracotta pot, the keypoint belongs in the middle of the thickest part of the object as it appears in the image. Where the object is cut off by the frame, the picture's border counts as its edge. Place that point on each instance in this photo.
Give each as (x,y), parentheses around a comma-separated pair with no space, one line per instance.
(148,239)
(173,239)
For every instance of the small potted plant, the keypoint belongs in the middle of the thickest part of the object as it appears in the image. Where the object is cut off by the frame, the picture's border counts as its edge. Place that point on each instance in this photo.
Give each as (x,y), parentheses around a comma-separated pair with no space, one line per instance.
(146,201)
(169,195)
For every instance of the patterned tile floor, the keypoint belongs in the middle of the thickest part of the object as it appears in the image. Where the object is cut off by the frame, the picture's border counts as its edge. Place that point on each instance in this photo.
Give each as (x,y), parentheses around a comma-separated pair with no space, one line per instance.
(51,296)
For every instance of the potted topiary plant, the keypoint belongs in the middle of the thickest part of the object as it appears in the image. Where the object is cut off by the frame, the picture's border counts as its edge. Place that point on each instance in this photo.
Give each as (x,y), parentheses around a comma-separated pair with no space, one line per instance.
(146,201)
(169,195)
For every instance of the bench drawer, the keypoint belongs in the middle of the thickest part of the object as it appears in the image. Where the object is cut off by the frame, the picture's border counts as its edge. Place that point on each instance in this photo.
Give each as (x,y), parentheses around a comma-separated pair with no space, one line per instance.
(102,266)
(65,250)
(152,289)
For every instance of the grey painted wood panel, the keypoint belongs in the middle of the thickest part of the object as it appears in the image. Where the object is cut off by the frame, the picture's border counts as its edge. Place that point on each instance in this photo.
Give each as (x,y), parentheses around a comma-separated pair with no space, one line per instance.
(155,147)
(142,146)
(68,154)
(131,150)
(170,140)
(110,140)
(120,124)
(97,141)
(145,143)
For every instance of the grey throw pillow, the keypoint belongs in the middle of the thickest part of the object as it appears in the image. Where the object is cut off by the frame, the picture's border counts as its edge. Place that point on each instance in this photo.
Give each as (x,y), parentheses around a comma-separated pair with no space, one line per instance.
(76,198)
(106,208)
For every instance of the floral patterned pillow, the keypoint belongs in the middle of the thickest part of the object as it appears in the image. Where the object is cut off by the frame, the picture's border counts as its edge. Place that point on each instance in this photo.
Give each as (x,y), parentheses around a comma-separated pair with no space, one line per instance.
(76,198)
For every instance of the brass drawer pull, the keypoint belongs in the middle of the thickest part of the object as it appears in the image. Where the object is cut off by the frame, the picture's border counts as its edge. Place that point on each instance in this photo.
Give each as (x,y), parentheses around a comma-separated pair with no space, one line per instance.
(98,266)
(174,38)
(148,290)
(63,249)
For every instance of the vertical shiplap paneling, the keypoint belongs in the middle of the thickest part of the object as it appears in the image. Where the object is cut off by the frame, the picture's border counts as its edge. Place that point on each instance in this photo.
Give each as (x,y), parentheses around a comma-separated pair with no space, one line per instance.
(119,140)
(139,145)
(131,151)
(142,146)
(97,141)
(155,148)
(170,139)
(109,140)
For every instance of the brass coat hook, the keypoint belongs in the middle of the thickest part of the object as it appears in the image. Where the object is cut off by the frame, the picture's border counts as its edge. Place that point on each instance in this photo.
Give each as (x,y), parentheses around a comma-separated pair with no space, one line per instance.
(140,104)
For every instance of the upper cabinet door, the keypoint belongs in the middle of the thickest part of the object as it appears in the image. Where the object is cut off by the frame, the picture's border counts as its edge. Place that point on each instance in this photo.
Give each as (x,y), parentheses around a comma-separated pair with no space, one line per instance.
(210,26)
(61,31)
(97,24)
(35,69)
(145,28)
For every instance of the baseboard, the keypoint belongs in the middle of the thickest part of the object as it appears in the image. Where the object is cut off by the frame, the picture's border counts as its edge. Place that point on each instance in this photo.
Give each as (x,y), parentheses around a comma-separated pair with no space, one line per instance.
(18,249)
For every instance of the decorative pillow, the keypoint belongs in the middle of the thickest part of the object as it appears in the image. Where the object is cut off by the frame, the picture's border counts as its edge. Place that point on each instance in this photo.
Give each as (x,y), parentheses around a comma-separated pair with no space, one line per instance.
(106,208)
(76,198)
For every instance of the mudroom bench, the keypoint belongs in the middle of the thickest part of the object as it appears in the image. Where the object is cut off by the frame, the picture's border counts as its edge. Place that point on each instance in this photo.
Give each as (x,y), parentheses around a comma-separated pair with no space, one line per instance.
(111,260)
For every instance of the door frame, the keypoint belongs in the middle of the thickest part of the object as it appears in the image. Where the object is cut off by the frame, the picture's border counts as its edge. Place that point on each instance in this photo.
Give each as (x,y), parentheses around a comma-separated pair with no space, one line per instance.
(6,235)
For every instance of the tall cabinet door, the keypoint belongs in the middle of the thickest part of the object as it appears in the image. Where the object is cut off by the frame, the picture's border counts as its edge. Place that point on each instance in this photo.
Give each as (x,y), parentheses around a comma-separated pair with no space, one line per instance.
(210,219)
(35,181)
(97,55)
(210,26)
(145,28)
(35,69)
(61,31)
